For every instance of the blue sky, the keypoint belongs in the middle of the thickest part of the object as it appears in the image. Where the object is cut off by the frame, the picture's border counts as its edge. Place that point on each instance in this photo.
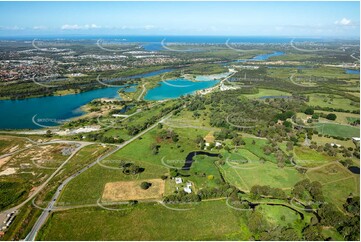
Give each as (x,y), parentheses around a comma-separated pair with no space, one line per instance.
(308,19)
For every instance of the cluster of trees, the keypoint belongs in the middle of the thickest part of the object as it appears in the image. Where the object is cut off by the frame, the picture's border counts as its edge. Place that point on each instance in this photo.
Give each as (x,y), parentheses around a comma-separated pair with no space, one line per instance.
(258,191)
(306,190)
(102,138)
(182,197)
(224,190)
(168,134)
(130,168)
(333,150)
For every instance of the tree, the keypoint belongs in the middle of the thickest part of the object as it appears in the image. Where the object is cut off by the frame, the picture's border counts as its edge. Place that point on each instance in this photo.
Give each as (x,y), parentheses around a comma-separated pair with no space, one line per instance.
(48,133)
(315,116)
(312,233)
(256,222)
(309,111)
(145,185)
(173,172)
(331,116)
(155,148)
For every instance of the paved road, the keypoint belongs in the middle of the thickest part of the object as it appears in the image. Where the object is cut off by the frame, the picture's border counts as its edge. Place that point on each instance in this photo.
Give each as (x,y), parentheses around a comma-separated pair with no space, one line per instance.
(141,94)
(44,215)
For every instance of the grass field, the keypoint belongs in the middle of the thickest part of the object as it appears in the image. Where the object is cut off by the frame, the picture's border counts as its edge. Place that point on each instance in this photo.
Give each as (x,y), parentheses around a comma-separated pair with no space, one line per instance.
(267,92)
(262,174)
(329,173)
(337,182)
(337,192)
(338,130)
(278,215)
(331,101)
(307,157)
(211,220)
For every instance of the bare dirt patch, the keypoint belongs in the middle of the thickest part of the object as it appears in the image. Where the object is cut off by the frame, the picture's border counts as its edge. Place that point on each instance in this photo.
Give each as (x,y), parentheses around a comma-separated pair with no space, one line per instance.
(131,190)
(4,160)
(8,171)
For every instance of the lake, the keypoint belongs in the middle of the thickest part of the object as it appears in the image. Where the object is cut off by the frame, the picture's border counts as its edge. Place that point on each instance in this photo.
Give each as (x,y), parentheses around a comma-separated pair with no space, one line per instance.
(176,88)
(18,114)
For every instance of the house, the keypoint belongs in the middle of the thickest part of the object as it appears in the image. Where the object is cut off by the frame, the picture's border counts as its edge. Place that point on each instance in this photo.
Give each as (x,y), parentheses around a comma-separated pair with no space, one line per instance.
(209,138)
(356,139)
(187,188)
(178,180)
(338,146)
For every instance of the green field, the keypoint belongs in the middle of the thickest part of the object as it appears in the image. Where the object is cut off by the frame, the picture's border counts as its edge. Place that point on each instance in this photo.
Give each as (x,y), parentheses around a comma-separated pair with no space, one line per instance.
(268,173)
(278,215)
(267,92)
(304,156)
(331,101)
(338,130)
(211,220)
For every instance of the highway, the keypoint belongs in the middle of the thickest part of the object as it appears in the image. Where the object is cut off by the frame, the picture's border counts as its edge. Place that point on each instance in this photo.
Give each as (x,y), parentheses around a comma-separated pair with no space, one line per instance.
(44,215)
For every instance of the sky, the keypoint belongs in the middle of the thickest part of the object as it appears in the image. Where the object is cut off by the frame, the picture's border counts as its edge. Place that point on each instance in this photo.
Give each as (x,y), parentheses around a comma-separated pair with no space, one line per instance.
(306,19)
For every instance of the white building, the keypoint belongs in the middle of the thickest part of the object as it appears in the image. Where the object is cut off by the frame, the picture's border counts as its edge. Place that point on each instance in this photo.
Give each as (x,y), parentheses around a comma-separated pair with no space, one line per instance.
(178,180)
(188,189)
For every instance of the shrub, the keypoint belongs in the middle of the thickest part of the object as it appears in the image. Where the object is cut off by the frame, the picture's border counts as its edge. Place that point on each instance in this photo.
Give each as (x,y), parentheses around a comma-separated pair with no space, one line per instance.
(145,185)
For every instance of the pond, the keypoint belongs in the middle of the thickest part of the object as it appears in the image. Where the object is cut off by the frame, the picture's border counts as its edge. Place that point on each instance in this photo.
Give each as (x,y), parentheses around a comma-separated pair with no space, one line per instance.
(354,169)
(351,71)
(189,159)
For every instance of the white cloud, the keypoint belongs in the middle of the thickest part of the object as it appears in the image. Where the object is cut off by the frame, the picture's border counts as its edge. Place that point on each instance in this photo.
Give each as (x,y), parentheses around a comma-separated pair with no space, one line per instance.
(149,27)
(344,21)
(11,28)
(39,27)
(78,27)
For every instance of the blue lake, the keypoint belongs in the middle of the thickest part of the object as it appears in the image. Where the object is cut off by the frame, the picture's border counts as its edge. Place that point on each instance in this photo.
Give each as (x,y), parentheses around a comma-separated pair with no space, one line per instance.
(350,71)
(18,114)
(176,88)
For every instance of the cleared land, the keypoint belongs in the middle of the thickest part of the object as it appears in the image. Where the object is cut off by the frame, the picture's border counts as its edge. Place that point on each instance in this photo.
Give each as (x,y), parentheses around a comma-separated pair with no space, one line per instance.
(131,190)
